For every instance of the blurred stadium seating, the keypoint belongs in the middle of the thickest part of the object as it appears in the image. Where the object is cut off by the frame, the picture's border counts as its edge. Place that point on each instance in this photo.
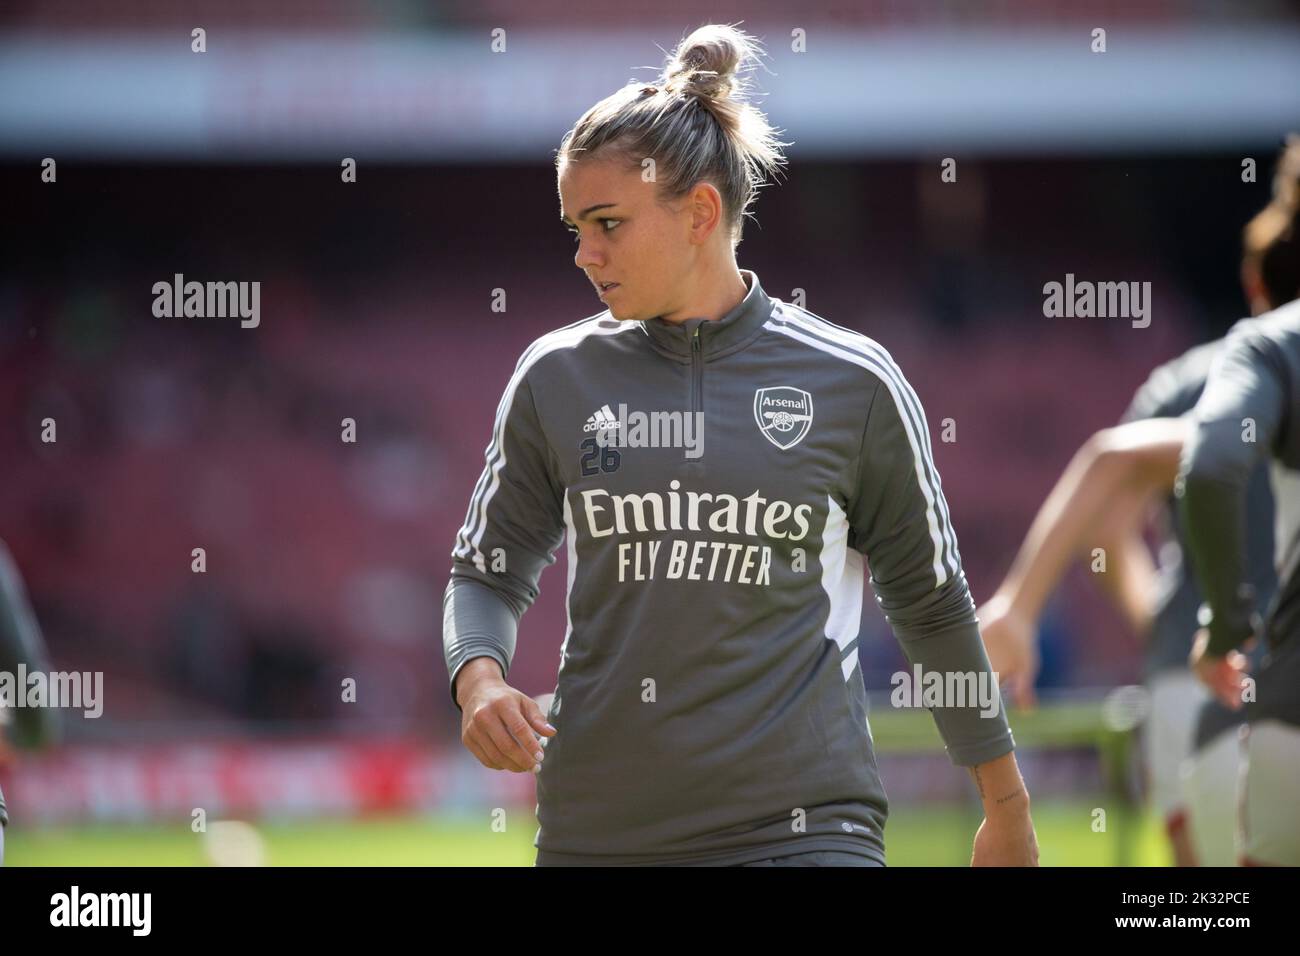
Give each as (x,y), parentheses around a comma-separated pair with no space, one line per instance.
(327,560)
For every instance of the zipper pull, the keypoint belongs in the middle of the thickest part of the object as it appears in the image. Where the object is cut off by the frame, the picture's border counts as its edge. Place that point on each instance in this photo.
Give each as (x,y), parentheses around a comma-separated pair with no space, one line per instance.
(695,340)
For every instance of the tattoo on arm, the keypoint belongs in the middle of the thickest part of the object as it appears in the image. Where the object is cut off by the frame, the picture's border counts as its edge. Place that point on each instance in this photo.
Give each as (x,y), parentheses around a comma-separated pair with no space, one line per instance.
(979,783)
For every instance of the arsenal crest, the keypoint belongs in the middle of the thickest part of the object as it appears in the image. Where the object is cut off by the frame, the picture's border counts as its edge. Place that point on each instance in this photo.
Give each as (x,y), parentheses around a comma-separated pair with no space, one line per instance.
(784,414)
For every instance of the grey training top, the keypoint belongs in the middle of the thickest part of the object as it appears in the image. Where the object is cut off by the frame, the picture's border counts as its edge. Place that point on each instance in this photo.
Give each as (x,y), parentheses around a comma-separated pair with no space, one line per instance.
(1250,411)
(21,643)
(709,707)
(1171,391)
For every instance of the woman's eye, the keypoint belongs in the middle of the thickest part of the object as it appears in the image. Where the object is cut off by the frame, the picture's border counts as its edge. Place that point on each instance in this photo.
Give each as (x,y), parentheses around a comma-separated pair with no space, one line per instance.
(609,224)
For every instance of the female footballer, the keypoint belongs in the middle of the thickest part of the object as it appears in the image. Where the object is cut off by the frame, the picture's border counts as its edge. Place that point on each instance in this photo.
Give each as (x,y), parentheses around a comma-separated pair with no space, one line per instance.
(21,645)
(1249,412)
(1190,740)
(718,464)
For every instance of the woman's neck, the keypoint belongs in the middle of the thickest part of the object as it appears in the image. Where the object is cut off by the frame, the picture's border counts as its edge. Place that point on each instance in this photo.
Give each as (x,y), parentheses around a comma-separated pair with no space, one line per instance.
(713,302)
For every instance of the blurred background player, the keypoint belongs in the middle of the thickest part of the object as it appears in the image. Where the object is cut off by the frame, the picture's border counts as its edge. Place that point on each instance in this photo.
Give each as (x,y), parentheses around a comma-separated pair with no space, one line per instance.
(20,643)
(1248,415)
(1103,500)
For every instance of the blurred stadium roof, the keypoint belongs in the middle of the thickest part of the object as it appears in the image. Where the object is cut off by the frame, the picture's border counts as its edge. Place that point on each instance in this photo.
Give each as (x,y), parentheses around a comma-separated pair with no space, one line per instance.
(404,81)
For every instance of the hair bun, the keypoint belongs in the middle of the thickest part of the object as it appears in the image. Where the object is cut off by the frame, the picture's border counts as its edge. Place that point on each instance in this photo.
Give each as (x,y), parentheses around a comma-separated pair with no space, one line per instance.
(705,83)
(706,62)
(695,120)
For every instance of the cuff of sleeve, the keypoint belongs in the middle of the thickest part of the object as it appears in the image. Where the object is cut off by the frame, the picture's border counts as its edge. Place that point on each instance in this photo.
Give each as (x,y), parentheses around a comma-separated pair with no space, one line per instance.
(1230,629)
(972,755)
(974,727)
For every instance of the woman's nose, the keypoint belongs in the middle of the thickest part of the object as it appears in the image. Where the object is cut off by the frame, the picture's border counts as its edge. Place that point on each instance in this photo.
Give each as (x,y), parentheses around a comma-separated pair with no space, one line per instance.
(587,255)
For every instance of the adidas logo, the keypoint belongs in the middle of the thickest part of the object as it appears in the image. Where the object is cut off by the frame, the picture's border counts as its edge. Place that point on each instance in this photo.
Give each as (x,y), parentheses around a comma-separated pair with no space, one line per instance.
(602,419)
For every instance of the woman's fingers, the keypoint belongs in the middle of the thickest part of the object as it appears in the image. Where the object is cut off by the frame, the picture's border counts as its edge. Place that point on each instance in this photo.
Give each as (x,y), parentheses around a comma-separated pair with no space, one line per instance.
(488,758)
(505,726)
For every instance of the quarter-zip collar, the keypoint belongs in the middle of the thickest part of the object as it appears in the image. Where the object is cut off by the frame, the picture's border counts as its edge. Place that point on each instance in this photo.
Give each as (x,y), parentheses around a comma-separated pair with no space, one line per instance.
(716,338)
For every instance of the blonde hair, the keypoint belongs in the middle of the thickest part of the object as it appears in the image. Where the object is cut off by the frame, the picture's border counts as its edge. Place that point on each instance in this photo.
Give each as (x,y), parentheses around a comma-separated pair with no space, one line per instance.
(694,122)
(1271,241)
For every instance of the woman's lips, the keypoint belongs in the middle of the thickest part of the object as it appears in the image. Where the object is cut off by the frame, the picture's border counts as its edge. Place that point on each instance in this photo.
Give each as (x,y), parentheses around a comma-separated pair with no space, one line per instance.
(604,290)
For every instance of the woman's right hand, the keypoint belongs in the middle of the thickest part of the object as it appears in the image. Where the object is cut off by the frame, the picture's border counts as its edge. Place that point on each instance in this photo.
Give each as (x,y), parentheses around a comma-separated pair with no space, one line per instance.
(1011,638)
(500,725)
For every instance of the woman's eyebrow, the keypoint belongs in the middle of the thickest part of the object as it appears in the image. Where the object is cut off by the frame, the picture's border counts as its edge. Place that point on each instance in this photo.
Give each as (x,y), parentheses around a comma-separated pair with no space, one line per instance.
(587,212)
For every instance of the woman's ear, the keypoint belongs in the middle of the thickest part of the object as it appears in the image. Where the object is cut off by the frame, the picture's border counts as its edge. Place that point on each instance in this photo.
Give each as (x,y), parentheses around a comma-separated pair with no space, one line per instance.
(706,211)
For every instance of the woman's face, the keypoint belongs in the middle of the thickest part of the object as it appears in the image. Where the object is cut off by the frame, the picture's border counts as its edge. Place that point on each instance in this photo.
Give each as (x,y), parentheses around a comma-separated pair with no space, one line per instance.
(627,236)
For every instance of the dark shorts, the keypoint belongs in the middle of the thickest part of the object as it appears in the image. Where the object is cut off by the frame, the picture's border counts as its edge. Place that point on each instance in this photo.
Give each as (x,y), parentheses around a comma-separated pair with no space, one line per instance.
(817,858)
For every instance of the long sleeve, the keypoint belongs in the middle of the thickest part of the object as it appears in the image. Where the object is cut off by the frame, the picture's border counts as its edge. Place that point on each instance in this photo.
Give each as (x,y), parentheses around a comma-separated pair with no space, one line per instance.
(512,528)
(900,523)
(1173,388)
(1236,421)
(21,643)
